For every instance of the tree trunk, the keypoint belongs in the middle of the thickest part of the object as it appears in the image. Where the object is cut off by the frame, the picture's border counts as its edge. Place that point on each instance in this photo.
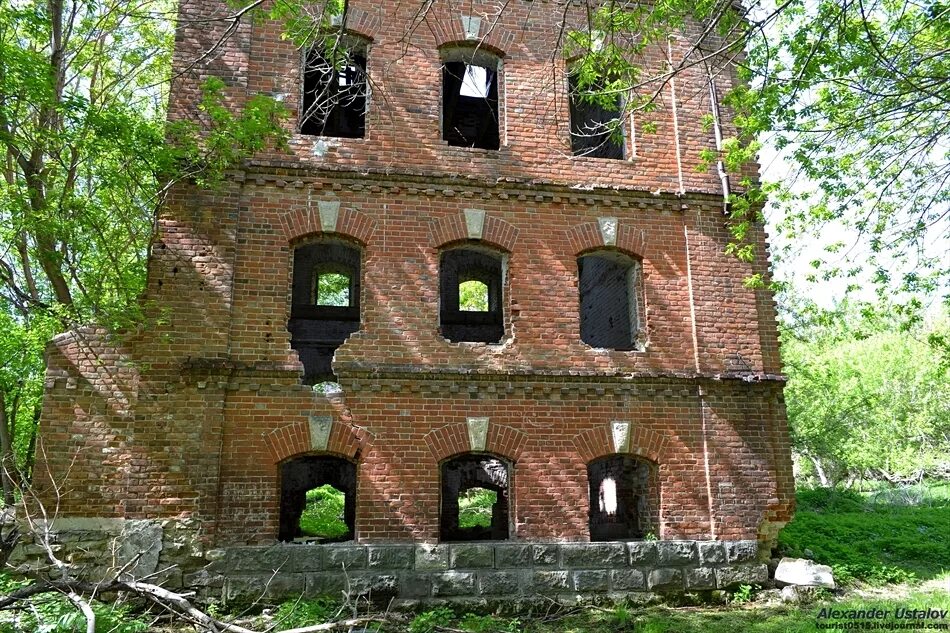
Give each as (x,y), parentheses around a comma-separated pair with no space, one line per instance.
(7,462)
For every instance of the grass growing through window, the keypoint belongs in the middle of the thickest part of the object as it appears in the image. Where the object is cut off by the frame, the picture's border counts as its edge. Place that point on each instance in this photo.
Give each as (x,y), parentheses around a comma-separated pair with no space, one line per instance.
(475,506)
(323,515)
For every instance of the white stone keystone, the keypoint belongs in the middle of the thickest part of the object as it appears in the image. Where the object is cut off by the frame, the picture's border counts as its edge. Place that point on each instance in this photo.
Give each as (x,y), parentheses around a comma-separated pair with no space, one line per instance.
(475,223)
(608,230)
(320,427)
(477,433)
(621,435)
(329,214)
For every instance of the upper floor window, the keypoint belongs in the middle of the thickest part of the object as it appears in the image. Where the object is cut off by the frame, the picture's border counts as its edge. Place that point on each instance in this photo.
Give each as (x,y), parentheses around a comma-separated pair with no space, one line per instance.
(612,314)
(470,112)
(325,304)
(470,286)
(595,120)
(335,88)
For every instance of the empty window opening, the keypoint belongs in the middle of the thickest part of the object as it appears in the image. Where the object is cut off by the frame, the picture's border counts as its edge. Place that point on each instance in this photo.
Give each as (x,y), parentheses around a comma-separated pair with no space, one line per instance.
(317,499)
(610,301)
(470,286)
(474,499)
(596,129)
(623,498)
(476,506)
(473,296)
(335,89)
(469,105)
(325,305)
(332,289)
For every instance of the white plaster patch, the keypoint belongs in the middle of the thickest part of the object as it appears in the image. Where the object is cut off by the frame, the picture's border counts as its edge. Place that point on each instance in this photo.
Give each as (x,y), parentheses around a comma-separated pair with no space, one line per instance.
(320,427)
(620,431)
(329,214)
(471,25)
(608,230)
(475,223)
(477,433)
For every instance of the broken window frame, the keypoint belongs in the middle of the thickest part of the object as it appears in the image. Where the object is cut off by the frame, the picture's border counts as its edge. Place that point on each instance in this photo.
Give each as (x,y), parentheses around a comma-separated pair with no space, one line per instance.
(317,331)
(474,470)
(489,267)
(642,511)
(323,469)
(492,63)
(635,309)
(345,115)
(594,124)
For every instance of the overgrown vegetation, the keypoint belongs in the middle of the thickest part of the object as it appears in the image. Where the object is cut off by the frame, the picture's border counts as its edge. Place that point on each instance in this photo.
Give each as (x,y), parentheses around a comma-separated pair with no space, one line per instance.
(475,506)
(877,536)
(323,515)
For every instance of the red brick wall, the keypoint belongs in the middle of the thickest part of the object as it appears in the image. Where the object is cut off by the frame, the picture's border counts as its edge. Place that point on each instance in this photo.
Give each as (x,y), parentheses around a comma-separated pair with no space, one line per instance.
(190,415)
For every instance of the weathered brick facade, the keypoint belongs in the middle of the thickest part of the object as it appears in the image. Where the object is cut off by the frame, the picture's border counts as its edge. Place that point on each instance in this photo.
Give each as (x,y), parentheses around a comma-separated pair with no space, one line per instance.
(191,416)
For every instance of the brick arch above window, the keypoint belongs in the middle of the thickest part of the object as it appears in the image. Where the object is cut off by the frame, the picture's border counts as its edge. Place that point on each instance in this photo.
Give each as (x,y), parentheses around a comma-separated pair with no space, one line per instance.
(328,217)
(473,224)
(362,23)
(609,233)
(453,439)
(319,434)
(453,28)
(600,441)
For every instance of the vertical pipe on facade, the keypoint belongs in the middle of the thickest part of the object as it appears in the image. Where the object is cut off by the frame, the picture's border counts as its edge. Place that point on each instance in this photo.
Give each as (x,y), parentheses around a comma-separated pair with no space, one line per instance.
(717,130)
(676,122)
(700,391)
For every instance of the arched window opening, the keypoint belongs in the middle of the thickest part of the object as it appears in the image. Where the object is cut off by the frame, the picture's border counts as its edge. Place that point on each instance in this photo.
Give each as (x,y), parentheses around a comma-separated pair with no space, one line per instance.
(325,304)
(474,499)
(473,296)
(470,287)
(335,88)
(596,129)
(317,499)
(611,301)
(623,498)
(470,112)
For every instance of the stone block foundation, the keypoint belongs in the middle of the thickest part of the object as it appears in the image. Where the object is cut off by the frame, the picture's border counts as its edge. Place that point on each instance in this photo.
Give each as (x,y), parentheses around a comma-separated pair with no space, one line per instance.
(167,551)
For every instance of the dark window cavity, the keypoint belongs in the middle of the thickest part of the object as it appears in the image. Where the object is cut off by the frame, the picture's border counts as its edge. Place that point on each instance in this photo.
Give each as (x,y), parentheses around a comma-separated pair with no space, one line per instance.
(611,301)
(470,286)
(474,499)
(623,498)
(470,103)
(325,304)
(335,89)
(311,506)
(594,126)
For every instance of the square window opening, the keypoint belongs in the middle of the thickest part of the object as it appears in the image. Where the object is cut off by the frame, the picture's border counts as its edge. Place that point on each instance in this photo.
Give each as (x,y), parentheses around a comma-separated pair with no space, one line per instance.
(470,105)
(335,92)
(596,128)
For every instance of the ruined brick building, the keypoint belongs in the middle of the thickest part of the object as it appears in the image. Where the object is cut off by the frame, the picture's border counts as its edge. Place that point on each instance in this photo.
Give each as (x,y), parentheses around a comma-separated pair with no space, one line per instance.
(615,382)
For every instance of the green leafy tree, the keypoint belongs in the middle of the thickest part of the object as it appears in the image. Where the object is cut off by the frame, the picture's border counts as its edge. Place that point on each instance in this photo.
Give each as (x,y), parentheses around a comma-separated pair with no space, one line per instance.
(87,159)
(865,398)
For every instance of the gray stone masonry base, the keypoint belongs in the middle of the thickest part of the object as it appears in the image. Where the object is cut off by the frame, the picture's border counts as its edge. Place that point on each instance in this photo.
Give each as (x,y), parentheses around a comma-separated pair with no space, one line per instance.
(494,570)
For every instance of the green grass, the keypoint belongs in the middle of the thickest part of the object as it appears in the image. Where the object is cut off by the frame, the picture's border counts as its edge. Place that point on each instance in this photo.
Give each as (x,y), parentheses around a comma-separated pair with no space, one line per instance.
(880,536)
(475,507)
(322,517)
